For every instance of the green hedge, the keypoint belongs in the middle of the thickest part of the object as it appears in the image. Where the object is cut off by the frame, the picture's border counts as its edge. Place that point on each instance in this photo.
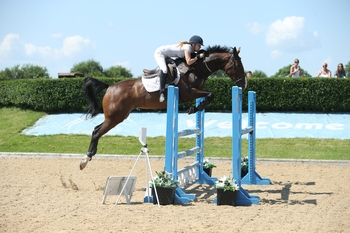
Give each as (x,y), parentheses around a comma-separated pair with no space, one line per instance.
(273,94)
(286,94)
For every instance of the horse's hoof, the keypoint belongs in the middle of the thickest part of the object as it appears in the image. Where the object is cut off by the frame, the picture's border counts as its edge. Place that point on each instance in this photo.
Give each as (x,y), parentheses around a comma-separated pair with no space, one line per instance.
(84,162)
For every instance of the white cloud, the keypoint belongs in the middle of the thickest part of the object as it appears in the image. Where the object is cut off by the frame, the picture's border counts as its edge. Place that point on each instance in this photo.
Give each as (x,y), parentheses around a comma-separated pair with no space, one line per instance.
(14,51)
(75,44)
(8,42)
(31,50)
(9,46)
(275,54)
(255,28)
(291,35)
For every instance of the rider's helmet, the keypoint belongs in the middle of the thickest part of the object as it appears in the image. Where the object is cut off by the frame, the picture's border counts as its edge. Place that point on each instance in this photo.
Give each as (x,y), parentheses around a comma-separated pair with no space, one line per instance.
(196,39)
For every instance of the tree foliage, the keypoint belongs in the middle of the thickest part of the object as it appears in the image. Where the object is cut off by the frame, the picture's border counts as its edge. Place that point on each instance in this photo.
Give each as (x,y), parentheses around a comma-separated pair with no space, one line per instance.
(118,71)
(27,71)
(258,74)
(347,70)
(89,68)
(94,69)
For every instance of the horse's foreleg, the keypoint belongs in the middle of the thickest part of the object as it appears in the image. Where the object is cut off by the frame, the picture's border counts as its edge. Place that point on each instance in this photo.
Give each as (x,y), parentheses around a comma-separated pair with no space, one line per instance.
(202,105)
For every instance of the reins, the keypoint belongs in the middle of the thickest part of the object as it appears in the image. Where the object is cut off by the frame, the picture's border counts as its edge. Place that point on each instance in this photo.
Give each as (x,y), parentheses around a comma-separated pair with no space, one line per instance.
(206,65)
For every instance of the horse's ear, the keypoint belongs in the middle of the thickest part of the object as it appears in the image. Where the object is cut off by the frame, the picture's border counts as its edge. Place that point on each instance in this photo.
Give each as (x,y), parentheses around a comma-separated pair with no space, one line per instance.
(236,52)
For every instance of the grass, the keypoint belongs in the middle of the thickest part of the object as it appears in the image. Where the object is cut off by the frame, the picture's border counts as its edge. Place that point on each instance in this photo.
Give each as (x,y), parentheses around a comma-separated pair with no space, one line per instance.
(14,120)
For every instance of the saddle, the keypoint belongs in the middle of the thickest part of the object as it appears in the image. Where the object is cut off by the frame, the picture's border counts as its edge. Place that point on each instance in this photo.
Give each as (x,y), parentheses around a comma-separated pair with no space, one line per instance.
(172,71)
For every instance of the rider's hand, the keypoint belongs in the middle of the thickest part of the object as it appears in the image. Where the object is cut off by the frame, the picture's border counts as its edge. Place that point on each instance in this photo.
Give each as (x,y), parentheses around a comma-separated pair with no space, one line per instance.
(201,55)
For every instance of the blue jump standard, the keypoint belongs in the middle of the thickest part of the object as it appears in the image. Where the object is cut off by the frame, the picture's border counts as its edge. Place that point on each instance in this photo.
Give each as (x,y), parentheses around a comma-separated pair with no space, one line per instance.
(193,173)
(252,177)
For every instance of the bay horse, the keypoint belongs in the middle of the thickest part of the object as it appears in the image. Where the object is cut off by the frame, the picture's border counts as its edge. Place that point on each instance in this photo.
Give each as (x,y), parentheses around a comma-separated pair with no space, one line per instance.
(123,97)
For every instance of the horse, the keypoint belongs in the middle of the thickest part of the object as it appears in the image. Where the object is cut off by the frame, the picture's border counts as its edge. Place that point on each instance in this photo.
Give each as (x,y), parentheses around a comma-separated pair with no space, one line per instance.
(123,97)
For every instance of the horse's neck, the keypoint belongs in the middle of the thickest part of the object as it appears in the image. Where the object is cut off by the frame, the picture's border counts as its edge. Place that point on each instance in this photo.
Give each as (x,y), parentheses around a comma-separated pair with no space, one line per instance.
(183,68)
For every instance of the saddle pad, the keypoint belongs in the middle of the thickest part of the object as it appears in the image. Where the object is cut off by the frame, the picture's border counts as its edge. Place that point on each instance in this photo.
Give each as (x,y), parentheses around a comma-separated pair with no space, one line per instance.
(152,84)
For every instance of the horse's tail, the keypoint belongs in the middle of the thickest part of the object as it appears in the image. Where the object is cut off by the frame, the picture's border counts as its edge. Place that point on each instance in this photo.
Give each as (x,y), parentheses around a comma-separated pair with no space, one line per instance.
(91,87)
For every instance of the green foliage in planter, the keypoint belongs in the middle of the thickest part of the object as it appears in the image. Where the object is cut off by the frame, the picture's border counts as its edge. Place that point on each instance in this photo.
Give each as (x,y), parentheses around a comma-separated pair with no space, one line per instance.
(163,180)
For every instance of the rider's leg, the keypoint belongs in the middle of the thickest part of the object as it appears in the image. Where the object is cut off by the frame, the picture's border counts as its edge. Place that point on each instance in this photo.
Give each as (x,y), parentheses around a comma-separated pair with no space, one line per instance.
(160,59)
(162,79)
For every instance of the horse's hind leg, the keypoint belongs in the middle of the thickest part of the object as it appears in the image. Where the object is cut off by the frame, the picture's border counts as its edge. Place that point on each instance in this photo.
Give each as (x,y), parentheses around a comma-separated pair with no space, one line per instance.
(94,141)
(98,132)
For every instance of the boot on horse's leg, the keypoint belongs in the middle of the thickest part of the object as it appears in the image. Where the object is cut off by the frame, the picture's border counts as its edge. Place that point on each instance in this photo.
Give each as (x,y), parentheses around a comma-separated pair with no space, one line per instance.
(92,148)
(162,79)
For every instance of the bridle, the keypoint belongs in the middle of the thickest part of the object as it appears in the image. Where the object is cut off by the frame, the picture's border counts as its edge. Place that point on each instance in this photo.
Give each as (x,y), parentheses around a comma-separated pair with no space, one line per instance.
(234,67)
(232,59)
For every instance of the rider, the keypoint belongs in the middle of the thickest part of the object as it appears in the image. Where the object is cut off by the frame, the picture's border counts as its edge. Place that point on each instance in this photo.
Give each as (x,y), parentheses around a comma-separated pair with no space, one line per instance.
(182,49)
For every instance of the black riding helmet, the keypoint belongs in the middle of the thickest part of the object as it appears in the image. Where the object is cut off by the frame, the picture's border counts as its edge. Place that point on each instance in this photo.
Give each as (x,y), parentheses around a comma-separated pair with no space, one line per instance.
(196,39)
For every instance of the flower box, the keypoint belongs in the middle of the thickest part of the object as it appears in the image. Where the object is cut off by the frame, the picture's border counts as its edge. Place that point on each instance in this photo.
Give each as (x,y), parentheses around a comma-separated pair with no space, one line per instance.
(208,171)
(166,196)
(227,197)
(226,188)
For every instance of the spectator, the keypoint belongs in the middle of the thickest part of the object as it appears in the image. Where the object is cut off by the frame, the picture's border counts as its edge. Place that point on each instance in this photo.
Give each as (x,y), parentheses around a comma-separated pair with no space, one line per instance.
(340,72)
(295,71)
(324,72)
(249,74)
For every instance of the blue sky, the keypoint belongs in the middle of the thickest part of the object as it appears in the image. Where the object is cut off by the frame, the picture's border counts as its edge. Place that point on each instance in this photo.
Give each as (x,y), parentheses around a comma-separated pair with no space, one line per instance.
(59,34)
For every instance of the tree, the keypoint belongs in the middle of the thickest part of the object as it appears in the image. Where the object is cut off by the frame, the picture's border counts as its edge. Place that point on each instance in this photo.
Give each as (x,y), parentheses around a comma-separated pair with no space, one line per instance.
(258,74)
(347,70)
(27,71)
(284,72)
(89,68)
(118,71)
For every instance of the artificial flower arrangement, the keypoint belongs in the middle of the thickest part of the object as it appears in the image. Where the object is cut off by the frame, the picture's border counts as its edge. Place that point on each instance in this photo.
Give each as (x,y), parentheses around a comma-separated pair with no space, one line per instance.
(163,180)
(227,183)
(207,164)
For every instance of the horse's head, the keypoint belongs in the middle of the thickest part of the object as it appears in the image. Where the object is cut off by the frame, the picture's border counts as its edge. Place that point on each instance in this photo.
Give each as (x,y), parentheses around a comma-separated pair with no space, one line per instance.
(227,59)
(235,70)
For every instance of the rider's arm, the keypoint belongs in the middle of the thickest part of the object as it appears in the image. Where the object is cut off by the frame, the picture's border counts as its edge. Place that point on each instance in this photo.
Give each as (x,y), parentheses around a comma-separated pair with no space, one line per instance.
(190,60)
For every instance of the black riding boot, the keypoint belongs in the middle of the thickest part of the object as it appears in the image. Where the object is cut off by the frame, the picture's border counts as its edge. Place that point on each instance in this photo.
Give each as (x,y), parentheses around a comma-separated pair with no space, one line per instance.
(162,79)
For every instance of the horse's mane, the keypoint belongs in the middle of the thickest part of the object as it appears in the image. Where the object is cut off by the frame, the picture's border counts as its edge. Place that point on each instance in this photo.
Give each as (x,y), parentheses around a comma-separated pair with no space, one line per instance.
(208,51)
(218,49)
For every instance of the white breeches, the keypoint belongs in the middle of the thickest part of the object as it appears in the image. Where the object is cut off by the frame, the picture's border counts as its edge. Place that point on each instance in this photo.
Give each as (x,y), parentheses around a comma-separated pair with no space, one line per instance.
(160,59)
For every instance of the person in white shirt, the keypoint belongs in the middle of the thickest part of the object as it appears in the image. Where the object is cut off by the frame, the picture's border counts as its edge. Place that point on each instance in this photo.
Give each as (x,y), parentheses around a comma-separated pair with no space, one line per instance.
(326,73)
(180,50)
(295,71)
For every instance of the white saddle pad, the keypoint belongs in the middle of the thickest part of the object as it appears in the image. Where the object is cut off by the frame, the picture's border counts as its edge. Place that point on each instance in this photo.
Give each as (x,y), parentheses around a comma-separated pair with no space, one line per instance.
(153,85)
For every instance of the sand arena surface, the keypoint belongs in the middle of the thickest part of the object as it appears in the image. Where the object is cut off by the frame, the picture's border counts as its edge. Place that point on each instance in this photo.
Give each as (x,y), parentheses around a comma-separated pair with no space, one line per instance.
(53,195)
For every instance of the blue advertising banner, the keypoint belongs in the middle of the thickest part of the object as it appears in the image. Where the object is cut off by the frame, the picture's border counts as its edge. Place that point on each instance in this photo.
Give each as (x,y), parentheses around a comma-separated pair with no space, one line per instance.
(269,125)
